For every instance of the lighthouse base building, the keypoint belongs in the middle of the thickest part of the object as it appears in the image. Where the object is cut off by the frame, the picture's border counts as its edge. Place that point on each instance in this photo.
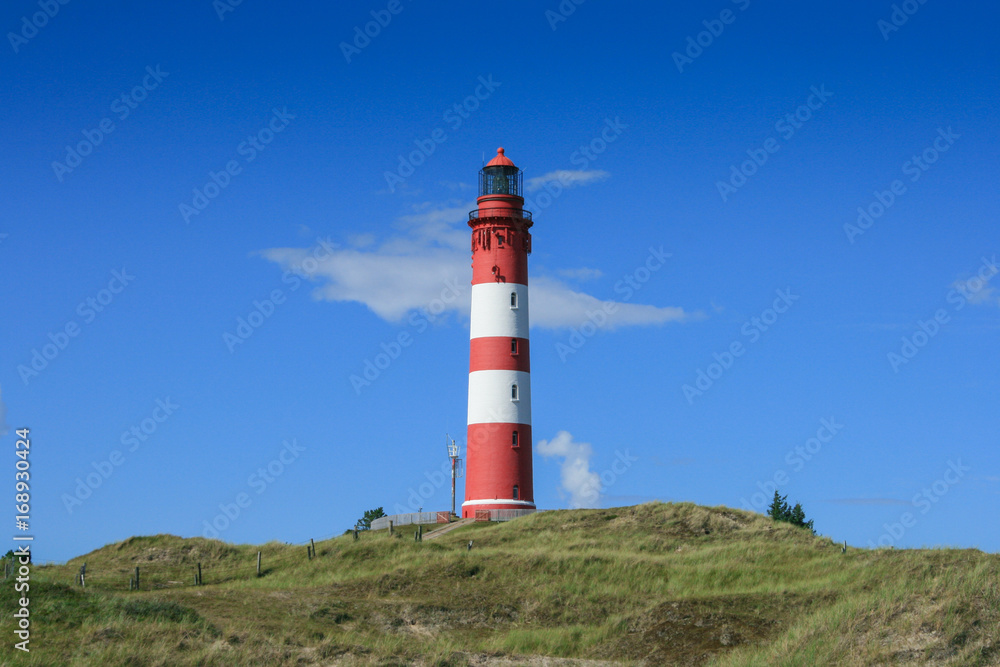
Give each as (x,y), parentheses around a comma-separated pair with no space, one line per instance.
(498,450)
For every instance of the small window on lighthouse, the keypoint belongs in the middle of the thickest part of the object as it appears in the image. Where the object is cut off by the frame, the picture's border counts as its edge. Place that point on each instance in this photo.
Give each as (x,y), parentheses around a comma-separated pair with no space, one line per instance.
(515,492)
(513,440)
(513,392)
(513,346)
(513,300)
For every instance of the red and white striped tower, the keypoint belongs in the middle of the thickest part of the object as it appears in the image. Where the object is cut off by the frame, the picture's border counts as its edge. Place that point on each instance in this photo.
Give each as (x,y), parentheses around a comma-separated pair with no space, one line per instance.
(498,456)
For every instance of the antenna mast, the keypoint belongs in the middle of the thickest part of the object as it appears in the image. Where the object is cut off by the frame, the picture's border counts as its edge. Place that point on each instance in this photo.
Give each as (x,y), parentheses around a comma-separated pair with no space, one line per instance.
(455,472)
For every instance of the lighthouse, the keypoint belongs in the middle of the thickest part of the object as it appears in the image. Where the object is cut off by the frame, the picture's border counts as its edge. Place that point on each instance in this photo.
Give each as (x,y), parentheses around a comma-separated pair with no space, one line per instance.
(498,456)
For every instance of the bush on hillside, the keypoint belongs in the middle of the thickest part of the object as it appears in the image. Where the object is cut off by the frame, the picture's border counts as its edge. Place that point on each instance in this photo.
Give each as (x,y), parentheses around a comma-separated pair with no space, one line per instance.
(780,511)
(365,522)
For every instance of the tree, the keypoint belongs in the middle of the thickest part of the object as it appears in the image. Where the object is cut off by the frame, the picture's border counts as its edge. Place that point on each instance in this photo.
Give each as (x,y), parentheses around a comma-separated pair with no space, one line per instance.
(780,511)
(365,522)
(779,508)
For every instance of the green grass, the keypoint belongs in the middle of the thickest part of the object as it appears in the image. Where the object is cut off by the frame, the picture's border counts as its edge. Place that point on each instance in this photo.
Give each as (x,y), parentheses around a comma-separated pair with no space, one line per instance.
(651,584)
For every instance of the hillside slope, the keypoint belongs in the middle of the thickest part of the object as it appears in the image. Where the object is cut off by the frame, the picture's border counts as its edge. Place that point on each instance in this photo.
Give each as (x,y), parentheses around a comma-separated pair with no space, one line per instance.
(654,584)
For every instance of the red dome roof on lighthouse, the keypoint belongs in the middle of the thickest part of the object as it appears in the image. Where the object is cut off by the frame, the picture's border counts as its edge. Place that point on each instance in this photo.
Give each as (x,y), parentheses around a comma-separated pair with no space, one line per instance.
(500,160)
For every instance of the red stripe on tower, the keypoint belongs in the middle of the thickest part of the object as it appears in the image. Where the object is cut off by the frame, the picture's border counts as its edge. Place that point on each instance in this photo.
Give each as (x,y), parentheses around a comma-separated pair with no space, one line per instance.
(498,457)
(499,353)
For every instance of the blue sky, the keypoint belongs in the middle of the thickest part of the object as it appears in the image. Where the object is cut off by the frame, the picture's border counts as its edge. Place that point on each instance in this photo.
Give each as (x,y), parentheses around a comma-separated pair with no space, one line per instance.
(219,218)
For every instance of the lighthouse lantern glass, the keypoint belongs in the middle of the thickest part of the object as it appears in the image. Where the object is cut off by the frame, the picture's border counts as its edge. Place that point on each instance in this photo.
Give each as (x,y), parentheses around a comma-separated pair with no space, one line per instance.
(500,180)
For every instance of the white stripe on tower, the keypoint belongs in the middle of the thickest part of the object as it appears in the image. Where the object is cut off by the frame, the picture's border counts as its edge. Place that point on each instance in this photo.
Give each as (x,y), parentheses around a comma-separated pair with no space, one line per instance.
(490,397)
(492,313)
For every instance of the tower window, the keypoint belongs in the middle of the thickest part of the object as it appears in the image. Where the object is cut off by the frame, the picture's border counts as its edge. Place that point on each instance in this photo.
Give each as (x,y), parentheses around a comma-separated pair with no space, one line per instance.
(513,346)
(513,300)
(515,492)
(513,440)
(513,392)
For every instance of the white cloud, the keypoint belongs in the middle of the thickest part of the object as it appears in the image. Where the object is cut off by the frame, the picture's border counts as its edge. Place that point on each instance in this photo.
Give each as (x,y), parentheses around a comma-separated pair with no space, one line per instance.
(361,240)
(581,274)
(977,289)
(554,305)
(438,226)
(576,478)
(425,266)
(455,185)
(567,178)
(976,292)
(390,283)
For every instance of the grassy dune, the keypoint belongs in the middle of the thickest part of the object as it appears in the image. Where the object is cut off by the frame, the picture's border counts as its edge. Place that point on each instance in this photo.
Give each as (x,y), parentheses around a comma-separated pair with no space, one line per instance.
(653,584)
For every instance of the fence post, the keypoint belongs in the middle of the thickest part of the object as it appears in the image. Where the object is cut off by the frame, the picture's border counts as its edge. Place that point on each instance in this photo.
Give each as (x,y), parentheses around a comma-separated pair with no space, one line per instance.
(137,577)
(199,575)
(258,563)
(309,552)
(131,583)
(420,532)
(390,527)
(313,544)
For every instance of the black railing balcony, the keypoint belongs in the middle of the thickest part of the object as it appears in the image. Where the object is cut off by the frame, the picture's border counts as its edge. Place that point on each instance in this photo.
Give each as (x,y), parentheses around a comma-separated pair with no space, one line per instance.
(517,215)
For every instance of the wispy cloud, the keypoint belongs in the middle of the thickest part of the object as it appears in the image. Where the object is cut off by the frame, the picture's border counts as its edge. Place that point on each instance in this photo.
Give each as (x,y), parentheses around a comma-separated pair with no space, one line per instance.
(576,479)
(986,294)
(361,240)
(391,284)
(455,185)
(977,289)
(427,262)
(554,305)
(580,274)
(567,178)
